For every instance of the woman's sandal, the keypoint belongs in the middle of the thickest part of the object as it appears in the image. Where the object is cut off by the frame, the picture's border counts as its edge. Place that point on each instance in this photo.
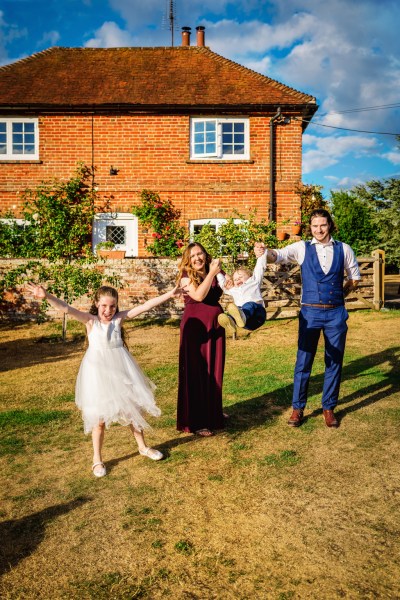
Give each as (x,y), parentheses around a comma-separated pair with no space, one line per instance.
(204,432)
(100,472)
(152,453)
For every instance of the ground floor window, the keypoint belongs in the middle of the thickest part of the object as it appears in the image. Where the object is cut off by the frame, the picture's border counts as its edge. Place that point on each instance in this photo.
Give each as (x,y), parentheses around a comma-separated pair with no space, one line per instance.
(119,228)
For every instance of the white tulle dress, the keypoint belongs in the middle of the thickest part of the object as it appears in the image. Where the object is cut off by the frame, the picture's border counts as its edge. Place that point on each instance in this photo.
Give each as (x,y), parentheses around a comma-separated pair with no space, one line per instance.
(111,388)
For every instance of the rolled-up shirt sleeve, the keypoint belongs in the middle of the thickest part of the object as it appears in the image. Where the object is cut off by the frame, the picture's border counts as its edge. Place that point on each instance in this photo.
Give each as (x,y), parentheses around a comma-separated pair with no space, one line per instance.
(350,263)
(294,253)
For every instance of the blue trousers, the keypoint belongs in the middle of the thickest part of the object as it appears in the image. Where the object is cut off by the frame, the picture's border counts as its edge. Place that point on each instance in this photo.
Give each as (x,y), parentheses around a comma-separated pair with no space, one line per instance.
(333,323)
(255,315)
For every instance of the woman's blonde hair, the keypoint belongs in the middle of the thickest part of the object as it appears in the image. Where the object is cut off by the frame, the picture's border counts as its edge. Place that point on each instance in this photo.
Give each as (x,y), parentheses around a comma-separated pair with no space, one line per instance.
(186,267)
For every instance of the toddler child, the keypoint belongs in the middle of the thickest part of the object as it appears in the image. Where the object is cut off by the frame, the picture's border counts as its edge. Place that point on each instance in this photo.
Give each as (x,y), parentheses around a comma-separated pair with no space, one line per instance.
(248,309)
(110,388)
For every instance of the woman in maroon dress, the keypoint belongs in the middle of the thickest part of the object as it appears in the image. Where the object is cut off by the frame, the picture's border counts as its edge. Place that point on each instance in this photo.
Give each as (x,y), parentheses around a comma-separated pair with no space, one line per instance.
(202,344)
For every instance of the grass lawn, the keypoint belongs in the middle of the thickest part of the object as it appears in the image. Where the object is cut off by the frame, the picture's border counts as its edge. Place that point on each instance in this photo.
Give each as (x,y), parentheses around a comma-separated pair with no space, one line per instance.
(258,511)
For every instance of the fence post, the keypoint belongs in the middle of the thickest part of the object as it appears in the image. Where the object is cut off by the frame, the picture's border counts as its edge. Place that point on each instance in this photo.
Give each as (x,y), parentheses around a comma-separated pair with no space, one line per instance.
(379,278)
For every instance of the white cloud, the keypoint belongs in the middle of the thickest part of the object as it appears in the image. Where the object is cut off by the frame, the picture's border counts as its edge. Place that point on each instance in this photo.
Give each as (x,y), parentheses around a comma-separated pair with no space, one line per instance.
(327,151)
(8,33)
(110,36)
(49,37)
(393,157)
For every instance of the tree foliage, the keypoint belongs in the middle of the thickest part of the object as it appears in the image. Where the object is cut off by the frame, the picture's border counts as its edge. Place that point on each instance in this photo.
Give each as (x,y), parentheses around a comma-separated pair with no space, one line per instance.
(354,220)
(383,198)
(163,219)
(234,240)
(58,217)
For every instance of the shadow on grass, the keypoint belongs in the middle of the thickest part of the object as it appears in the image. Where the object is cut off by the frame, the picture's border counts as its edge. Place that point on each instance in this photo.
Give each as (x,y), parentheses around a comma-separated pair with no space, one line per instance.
(20,354)
(20,537)
(256,412)
(164,447)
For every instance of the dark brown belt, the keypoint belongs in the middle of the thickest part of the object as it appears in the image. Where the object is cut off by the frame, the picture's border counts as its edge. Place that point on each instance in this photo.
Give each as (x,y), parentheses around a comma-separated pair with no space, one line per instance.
(322,305)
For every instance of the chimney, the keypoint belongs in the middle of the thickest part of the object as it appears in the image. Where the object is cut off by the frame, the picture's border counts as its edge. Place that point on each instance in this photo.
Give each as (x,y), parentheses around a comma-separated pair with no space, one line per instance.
(186,36)
(200,35)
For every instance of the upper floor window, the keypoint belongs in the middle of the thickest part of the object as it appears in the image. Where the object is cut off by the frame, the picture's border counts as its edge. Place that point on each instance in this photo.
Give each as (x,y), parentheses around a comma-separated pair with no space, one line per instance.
(220,138)
(19,139)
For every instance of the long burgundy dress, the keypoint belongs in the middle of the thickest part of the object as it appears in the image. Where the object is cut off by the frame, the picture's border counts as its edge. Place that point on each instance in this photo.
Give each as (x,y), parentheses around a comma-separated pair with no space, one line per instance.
(201,364)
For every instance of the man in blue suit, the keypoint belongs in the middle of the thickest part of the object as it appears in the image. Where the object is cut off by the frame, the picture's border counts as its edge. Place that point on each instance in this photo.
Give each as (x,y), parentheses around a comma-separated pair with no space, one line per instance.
(324,263)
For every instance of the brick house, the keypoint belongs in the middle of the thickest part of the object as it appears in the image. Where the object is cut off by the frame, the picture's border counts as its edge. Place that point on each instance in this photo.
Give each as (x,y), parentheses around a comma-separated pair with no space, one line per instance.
(185,122)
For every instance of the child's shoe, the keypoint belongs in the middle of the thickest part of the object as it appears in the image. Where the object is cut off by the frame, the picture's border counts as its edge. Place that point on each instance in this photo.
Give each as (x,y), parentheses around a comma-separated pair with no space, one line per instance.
(237,314)
(227,323)
(99,469)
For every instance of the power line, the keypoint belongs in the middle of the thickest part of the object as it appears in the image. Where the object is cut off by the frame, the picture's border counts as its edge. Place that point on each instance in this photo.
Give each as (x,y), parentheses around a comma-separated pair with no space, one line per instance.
(347,129)
(365,109)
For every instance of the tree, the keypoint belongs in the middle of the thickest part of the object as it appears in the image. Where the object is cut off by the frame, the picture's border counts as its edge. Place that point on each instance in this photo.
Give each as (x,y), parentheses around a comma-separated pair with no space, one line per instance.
(58,220)
(163,218)
(354,221)
(234,241)
(383,198)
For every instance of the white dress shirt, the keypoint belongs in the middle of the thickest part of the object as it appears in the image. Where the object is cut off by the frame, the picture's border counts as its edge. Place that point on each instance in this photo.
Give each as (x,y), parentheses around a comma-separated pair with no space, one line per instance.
(250,290)
(295,253)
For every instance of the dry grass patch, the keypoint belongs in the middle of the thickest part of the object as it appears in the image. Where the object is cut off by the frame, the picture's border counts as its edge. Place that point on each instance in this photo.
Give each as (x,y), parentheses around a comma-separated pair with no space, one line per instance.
(257,511)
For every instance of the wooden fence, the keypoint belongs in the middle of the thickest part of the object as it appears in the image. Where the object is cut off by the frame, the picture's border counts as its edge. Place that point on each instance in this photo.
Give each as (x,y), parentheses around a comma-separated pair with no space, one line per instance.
(282,287)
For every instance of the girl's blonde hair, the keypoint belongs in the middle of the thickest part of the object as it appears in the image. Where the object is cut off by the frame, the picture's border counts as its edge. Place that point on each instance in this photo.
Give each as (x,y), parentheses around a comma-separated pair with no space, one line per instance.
(185,266)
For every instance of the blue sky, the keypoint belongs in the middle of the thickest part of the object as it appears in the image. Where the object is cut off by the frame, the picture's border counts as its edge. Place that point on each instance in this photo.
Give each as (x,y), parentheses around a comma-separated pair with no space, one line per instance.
(346,53)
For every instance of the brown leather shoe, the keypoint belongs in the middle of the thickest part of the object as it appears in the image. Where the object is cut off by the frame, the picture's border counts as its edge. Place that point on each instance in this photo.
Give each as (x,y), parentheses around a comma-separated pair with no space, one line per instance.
(296,418)
(330,419)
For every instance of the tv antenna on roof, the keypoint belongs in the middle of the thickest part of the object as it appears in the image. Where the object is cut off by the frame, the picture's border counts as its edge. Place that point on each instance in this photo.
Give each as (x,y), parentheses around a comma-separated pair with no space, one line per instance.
(169,18)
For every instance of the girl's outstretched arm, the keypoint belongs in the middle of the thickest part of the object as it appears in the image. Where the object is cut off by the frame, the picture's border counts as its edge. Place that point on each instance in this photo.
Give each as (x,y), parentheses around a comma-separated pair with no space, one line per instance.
(141,308)
(40,293)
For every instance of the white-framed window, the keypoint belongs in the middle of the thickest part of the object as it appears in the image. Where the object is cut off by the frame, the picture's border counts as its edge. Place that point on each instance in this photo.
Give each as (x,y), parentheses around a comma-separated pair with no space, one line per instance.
(225,138)
(19,138)
(196,225)
(119,228)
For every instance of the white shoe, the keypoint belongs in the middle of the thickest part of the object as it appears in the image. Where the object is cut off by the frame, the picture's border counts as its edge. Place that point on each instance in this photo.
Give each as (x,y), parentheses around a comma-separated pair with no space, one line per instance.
(152,453)
(100,472)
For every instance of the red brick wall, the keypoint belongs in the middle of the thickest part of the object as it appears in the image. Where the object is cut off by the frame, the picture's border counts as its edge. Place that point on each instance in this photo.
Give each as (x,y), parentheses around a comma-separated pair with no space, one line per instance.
(153,152)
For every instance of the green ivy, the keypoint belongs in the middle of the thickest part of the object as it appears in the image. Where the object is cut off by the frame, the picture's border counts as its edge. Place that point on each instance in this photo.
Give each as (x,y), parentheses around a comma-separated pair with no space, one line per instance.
(168,236)
(234,242)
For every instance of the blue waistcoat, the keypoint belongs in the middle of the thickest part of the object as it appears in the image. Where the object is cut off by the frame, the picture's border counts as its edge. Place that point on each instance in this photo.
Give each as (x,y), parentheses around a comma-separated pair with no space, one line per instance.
(318,287)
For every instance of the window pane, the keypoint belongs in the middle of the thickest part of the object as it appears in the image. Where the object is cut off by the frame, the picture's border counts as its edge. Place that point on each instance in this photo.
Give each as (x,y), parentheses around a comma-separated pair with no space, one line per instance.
(29,149)
(227,138)
(17,138)
(210,126)
(17,127)
(3,127)
(227,149)
(210,148)
(227,127)
(239,150)
(199,126)
(17,149)
(199,148)
(210,136)
(198,138)
(29,138)
(115,234)
(239,127)
(239,138)
(3,148)
(29,127)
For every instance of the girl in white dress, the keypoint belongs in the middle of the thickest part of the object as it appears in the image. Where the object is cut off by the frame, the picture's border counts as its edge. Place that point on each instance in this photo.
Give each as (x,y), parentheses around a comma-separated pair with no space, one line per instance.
(110,388)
